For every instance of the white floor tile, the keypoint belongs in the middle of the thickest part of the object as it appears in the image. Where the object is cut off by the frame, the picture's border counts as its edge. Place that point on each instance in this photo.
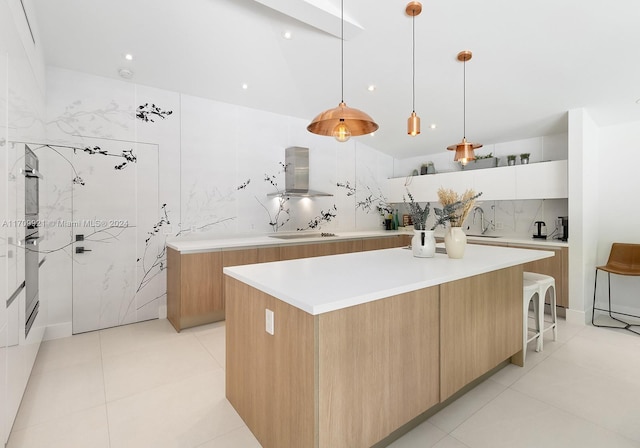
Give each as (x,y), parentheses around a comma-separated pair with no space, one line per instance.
(450,442)
(67,352)
(585,392)
(134,337)
(238,438)
(214,341)
(184,413)
(464,407)
(86,428)
(426,435)
(160,388)
(131,372)
(514,420)
(54,393)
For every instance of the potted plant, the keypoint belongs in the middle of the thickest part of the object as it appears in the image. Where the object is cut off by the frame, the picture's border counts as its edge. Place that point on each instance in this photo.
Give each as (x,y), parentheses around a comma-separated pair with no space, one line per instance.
(481,161)
(455,209)
(511,160)
(524,158)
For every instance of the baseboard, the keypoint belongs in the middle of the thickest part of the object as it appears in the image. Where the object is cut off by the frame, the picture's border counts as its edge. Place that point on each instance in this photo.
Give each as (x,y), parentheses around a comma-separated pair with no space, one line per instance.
(575,317)
(58,331)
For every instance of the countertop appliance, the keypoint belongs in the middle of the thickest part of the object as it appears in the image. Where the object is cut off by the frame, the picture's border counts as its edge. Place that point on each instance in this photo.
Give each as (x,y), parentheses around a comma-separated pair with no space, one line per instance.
(541,230)
(564,224)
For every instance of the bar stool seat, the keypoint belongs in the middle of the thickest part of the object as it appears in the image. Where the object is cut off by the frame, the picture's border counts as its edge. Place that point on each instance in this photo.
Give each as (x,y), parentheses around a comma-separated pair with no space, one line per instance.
(545,283)
(530,293)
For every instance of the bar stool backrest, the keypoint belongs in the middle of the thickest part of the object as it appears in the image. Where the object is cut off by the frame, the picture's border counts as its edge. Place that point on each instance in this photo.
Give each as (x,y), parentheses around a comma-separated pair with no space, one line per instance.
(624,259)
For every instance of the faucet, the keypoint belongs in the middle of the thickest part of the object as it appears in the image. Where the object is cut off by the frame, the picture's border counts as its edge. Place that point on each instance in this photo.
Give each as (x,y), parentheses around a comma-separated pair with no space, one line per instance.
(483,229)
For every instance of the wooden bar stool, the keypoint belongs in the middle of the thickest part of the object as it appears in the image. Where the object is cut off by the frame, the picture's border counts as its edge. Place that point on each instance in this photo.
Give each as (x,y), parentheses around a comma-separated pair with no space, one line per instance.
(531,293)
(545,283)
(624,259)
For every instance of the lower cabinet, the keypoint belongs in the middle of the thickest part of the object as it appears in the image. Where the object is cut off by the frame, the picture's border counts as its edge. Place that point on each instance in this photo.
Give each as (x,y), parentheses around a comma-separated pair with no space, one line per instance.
(556,266)
(195,291)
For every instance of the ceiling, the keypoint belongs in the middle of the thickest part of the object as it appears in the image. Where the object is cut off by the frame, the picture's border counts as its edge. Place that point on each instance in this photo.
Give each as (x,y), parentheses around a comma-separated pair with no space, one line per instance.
(532,61)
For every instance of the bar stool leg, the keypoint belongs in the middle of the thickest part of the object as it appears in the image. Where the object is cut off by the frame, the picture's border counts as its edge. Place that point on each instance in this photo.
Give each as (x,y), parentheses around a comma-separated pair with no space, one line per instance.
(538,311)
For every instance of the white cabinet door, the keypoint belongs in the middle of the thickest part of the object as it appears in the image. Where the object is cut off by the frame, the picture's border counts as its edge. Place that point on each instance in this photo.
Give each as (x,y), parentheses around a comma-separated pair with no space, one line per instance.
(546,180)
(496,184)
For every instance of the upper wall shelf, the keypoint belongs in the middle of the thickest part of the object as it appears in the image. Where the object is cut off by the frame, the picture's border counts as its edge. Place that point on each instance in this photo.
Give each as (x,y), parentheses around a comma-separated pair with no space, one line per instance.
(544,180)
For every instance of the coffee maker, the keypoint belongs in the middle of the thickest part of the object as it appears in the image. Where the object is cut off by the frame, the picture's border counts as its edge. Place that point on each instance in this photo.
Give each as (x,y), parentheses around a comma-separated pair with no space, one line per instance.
(563,222)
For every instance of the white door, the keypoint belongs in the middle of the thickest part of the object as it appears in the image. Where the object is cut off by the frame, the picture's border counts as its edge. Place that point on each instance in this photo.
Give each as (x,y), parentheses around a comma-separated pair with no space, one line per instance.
(115,202)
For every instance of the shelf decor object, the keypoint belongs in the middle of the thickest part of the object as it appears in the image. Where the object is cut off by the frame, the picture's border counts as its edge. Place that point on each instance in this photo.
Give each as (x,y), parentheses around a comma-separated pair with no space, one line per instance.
(413,123)
(423,243)
(342,122)
(464,150)
(458,207)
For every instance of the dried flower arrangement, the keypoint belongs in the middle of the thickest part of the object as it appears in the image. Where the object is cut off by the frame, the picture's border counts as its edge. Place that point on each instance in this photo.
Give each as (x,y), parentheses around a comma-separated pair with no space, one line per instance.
(455,208)
(418,214)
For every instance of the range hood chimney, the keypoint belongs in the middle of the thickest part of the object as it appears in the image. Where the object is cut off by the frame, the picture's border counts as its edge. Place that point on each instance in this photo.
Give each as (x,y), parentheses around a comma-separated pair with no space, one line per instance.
(296,177)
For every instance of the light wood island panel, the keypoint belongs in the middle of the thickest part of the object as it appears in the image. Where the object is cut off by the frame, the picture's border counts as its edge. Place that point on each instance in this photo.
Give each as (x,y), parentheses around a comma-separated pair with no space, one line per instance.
(352,377)
(480,326)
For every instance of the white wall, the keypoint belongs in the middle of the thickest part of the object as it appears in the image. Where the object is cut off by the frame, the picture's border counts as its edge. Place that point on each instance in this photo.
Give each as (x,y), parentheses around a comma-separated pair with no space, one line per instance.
(616,206)
(205,151)
(584,211)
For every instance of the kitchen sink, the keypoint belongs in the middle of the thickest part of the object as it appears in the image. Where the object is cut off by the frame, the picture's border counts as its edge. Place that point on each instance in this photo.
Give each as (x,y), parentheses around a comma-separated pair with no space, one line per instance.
(295,236)
(485,236)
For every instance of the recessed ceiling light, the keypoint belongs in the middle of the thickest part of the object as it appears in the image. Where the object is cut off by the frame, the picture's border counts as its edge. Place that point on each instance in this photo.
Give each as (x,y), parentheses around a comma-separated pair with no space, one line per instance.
(432,126)
(287,35)
(371,88)
(128,57)
(245,86)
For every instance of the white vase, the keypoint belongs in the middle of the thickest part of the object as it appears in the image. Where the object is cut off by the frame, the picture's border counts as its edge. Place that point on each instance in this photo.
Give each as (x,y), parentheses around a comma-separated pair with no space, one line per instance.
(423,243)
(455,242)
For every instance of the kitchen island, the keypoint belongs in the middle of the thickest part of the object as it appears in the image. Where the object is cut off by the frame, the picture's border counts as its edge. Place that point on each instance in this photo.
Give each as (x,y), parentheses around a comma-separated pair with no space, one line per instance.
(348,350)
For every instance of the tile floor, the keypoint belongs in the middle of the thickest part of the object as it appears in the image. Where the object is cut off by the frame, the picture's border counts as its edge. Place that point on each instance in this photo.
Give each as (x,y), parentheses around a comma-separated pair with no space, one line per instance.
(144,385)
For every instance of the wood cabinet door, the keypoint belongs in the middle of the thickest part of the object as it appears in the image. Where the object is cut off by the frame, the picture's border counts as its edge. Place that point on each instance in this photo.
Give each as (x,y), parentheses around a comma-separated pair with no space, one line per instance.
(201,288)
(319,249)
(480,326)
(386,242)
(554,267)
(239,257)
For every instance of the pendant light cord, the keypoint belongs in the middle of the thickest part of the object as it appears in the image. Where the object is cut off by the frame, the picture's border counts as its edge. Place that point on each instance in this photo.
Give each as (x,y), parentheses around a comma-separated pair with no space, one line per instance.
(464,99)
(342,49)
(413,21)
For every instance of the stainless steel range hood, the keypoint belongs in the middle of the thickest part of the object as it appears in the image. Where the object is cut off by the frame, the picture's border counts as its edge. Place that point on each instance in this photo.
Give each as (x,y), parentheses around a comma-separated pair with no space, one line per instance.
(296,177)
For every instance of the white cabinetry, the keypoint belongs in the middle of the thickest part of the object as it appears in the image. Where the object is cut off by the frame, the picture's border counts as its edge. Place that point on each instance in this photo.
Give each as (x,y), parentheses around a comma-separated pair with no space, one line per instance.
(542,180)
(545,180)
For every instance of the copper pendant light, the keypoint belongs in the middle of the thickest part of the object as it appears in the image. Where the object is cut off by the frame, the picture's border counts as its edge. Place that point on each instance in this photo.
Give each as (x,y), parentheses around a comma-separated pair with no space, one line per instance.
(464,149)
(343,121)
(413,123)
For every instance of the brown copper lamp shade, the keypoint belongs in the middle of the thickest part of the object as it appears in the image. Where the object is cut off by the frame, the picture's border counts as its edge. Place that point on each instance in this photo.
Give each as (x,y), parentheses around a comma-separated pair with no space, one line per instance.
(342,120)
(413,125)
(413,9)
(464,151)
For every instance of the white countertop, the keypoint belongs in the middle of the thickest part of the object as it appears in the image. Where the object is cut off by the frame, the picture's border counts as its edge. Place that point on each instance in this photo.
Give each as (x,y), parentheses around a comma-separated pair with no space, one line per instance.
(192,245)
(323,284)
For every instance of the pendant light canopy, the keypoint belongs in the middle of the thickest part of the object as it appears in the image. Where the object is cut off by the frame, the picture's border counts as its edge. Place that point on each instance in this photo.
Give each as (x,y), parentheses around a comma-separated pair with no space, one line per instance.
(343,121)
(464,149)
(413,123)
